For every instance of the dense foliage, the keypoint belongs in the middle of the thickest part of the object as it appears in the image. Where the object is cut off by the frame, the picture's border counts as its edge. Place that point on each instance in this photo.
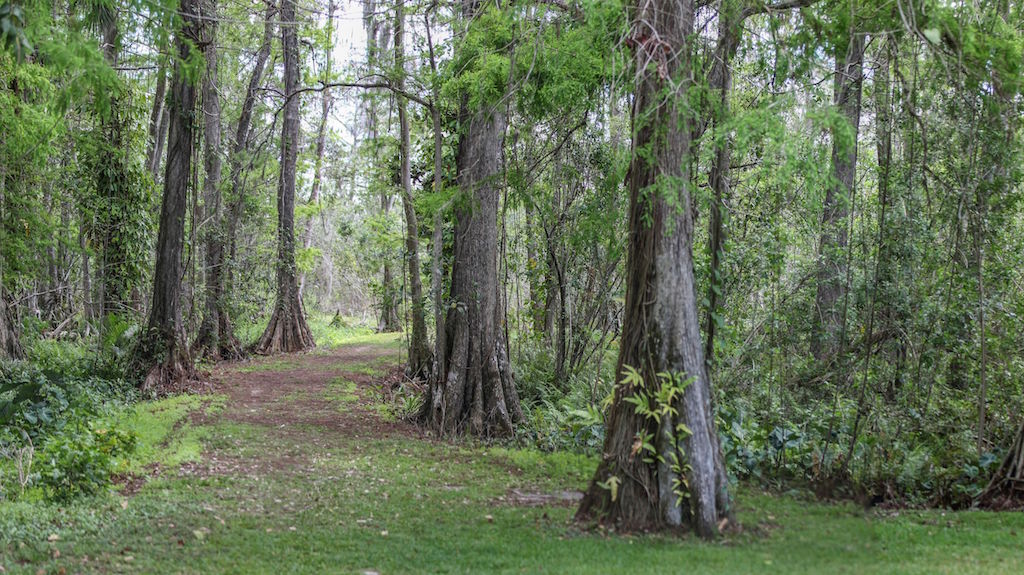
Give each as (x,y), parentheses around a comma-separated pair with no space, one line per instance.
(872,166)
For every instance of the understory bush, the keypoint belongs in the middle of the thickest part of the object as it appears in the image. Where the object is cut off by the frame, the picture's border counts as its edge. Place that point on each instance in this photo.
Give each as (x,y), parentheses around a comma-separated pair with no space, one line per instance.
(560,415)
(782,442)
(891,460)
(59,431)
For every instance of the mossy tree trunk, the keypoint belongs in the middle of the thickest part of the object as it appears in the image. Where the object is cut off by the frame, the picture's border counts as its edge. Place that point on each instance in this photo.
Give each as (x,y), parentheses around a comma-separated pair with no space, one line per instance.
(419,348)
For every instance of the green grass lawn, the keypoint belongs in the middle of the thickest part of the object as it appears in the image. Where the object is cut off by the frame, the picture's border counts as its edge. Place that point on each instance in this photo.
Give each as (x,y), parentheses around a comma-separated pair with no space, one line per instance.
(301,499)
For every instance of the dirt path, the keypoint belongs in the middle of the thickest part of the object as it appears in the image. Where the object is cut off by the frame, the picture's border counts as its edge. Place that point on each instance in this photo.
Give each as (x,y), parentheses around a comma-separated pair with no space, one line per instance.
(318,399)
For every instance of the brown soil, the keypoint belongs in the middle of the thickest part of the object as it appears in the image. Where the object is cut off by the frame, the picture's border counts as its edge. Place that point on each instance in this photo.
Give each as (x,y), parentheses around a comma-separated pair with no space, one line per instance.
(287,396)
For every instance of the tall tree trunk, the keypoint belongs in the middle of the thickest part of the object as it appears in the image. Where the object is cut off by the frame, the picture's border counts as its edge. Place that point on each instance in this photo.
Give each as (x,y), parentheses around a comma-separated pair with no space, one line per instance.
(10,345)
(729,30)
(389,320)
(208,342)
(161,356)
(883,151)
(419,347)
(477,391)
(287,330)
(161,139)
(321,144)
(153,147)
(230,346)
(113,282)
(661,328)
(437,237)
(377,38)
(832,244)
(89,313)
(881,118)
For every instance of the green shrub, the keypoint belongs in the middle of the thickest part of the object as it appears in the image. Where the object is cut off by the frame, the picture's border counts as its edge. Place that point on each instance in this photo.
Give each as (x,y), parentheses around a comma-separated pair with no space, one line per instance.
(63,417)
(80,459)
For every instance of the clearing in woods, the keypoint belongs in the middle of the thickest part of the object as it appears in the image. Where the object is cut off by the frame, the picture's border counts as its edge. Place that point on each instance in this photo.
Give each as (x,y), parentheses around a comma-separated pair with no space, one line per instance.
(297,464)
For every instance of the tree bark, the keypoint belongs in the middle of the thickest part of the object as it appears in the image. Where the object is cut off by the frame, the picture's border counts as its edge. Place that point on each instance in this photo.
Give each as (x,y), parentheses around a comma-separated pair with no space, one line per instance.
(161,357)
(321,144)
(208,342)
(419,348)
(832,244)
(10,345)
(477,392)
(230,346)
(437,237)
(161,139)
(389,318)
(377,37)
(154,147)
(661,328)
(287,330)
(729,31)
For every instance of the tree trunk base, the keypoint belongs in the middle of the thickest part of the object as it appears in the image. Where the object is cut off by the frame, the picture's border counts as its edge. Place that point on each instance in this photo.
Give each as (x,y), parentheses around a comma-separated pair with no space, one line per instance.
(164,368)
(287,332)
(176,375)
(1006,489)
(633,503)
(420,370)
(10,345)
(224,349)
(215,346)
(477,393)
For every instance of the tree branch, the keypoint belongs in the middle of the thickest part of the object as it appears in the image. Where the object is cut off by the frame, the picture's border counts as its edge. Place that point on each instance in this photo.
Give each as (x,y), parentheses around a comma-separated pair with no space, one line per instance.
(766,8)
(382,83)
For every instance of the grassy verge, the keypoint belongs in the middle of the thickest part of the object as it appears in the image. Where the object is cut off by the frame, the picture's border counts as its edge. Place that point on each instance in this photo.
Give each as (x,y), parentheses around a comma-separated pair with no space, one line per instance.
(284,499)
(398,506)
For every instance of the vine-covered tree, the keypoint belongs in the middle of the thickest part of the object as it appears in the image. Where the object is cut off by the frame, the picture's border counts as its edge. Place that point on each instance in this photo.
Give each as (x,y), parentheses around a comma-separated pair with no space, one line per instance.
(161,356)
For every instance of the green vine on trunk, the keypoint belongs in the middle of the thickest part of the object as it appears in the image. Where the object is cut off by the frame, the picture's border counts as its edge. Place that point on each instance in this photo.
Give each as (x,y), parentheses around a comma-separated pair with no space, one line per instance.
(654,405)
